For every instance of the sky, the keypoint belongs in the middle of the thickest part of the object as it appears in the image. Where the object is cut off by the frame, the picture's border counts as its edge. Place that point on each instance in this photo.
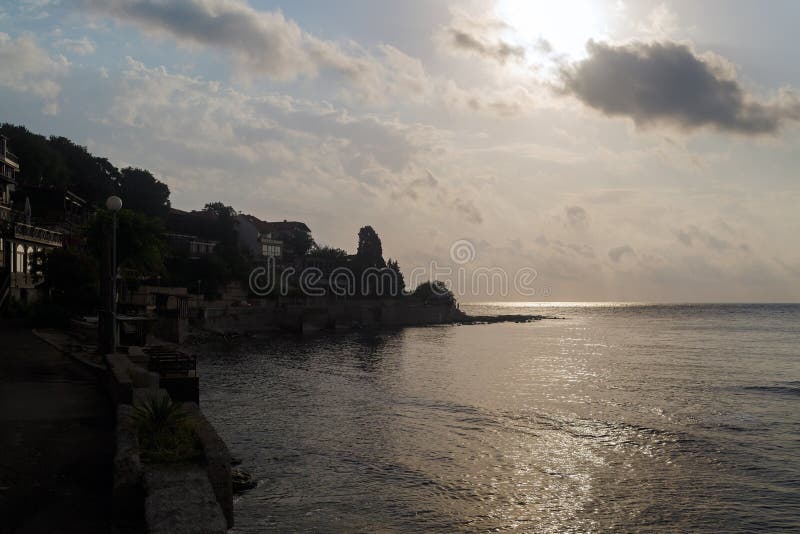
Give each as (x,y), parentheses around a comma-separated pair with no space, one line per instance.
(611,150)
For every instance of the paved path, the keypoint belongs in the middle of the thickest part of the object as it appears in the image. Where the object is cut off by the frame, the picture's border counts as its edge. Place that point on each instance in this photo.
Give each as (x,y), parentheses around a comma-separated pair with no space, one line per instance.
(56,441)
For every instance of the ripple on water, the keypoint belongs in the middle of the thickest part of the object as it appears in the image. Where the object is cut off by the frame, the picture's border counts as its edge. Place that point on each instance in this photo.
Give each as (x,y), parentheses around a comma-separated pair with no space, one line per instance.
(620,417)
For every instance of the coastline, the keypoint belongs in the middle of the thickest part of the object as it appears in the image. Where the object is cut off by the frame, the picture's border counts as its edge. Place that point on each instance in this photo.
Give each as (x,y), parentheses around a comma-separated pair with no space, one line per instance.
(309,317)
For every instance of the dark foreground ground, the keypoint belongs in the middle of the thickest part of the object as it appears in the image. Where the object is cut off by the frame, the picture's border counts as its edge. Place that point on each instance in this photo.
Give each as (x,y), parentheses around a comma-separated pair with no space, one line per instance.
(56,441)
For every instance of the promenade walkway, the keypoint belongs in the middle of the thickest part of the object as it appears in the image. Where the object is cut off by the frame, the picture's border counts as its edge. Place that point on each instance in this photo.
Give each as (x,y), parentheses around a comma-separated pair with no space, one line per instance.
(56,441)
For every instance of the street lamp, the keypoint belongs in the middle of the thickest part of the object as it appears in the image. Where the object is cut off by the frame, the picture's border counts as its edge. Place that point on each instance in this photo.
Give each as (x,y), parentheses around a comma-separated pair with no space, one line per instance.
(114,204)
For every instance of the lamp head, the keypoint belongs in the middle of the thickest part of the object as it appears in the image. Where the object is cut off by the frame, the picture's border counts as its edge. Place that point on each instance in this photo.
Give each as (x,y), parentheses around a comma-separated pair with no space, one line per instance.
(114,203)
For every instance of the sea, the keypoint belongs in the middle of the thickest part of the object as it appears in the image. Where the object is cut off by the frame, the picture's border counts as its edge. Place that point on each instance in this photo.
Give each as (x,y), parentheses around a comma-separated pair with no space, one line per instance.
(629,417)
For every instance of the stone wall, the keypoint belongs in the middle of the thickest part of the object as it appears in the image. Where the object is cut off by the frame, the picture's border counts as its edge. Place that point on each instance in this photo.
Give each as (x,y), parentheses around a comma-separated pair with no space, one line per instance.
(174,498)
(310,317)
(240,319)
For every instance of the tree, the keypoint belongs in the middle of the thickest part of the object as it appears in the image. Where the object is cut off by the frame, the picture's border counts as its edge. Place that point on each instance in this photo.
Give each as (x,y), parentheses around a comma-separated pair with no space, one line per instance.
(40,161)
(370,250)
(73,280)
(220,210)
(297,242)
(142,192)
(434,291)
(328,253)
(91,177)
(207,274)
(140,240)
(400,281)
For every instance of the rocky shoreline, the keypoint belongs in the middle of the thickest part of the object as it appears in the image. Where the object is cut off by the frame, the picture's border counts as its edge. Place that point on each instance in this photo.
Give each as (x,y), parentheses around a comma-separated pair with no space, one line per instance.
(491,319)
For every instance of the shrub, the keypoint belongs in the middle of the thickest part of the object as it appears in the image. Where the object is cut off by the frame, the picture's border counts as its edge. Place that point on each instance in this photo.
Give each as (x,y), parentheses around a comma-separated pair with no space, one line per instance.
(166,432)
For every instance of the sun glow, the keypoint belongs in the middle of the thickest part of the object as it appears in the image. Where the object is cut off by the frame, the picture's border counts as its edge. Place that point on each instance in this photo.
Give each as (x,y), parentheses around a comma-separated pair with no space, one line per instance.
(565,24)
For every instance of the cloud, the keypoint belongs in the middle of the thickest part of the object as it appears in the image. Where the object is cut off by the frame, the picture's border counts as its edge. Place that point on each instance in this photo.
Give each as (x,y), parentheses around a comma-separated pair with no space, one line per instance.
(468,211)
(497,50)
(82,46)
(266,43)
(417,186)
(692,235)
(577,217)
(618,253)
(477,34)
(669,83)
(28,68)
(661,22)
(430,189)
(263,41)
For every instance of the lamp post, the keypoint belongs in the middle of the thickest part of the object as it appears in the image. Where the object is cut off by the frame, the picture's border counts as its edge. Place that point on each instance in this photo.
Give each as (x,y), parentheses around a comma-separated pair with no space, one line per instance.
(114,204)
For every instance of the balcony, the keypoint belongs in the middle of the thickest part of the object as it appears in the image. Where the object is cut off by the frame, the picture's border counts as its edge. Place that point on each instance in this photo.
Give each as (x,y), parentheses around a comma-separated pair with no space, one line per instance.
(38,235)
(11,159)
(24,280)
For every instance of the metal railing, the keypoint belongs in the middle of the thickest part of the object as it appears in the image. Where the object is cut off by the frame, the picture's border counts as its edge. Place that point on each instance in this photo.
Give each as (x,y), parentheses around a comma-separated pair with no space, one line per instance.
(25,280)
(38,234)
(12,158)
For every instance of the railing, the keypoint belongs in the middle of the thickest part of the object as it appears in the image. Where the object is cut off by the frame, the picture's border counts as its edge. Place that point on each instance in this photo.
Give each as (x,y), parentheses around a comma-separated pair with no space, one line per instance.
(40,235)
(24,280)
(165,361)
(12,158)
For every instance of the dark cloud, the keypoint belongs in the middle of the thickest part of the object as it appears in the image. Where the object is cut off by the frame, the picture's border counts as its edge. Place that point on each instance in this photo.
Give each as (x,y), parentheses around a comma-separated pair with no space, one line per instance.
(668,83)
(691,235)
(544,46)
(468,211)
(412,190)
(499,50)
(583,249)
(616,254)
(264,41)
(429,188)
(577,217)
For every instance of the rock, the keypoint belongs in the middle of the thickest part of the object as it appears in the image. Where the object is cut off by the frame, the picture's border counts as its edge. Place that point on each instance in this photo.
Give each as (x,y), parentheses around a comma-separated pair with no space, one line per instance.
(242,480)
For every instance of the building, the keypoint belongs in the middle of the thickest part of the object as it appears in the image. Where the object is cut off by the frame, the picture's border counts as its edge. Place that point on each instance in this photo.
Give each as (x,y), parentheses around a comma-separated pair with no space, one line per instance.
(270,239)
(22,243)
(256,236)
(191,234)
(190,246)
(57,209)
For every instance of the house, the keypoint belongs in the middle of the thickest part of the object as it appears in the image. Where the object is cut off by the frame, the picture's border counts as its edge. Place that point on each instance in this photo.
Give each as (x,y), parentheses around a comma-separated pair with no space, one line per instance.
(191,234)
(58,209)
(256,236)
(22,243)
(190,246)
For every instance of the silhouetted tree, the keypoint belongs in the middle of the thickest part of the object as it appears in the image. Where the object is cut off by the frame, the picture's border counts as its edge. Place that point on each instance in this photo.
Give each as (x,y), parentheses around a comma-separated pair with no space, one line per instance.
(140,240)
(434,291)
(220,209)
(297,242)
(141,191)
(59,163)
(329,253)
(228,250)
(370,249)
(400,281)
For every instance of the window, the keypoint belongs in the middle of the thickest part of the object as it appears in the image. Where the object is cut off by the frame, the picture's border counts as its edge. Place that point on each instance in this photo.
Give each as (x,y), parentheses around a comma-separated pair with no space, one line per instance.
(271,251)
(29,260)
(19,266)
